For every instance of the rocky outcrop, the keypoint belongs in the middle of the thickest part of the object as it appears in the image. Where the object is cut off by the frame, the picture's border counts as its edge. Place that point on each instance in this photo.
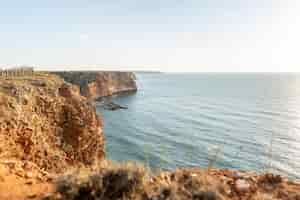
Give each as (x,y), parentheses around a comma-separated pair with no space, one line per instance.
(100,84)
(45,121)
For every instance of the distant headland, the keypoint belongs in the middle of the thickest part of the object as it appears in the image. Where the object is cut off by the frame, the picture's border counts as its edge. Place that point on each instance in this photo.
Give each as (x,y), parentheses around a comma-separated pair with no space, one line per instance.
(95,84)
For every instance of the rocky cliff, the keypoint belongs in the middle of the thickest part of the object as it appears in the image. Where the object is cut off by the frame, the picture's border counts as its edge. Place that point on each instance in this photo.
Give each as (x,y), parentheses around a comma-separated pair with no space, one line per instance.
(45,121)
(100,84)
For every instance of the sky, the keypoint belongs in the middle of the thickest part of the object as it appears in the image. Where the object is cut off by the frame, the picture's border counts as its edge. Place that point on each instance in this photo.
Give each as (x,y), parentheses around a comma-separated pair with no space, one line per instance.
(163,35)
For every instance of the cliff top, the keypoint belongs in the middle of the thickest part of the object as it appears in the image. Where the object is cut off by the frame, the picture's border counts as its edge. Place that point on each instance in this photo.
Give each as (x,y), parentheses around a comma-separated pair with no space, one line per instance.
(131,181)
(32,79)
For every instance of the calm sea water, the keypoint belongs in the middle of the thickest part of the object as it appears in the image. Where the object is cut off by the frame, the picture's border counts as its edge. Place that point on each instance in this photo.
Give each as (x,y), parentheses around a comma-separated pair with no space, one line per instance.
(248,121)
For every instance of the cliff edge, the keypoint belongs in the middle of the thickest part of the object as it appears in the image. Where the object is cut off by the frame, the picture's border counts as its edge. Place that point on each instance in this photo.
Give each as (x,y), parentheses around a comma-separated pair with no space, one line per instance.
(45,121)
(100,84)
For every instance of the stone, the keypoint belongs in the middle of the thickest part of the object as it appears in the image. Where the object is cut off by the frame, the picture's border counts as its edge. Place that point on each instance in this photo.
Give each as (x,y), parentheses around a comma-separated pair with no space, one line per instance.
(242,186)
(29,175)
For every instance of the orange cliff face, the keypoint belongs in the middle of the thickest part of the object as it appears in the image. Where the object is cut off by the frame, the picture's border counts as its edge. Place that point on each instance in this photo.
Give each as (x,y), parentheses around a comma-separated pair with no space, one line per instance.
(47,122)
(100,84)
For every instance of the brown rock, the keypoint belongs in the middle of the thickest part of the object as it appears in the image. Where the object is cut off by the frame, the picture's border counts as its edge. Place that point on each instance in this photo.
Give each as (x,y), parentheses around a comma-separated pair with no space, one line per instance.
(242,186)
(100,84)
(55,128)
(29,175)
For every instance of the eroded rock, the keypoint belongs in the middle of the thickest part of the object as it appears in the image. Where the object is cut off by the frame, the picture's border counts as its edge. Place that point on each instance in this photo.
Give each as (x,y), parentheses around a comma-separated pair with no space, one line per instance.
(46,121)
(101,84)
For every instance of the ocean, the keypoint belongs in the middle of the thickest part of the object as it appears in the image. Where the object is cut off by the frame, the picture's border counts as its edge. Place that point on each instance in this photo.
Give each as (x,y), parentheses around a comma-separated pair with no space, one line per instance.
(237,121)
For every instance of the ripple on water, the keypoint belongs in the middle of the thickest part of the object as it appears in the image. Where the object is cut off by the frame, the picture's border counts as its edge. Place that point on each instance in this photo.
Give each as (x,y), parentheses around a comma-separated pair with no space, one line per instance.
(174,120)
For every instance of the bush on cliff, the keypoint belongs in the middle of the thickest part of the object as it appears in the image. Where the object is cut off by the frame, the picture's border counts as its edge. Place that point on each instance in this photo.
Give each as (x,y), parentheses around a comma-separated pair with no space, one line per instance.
(133,181)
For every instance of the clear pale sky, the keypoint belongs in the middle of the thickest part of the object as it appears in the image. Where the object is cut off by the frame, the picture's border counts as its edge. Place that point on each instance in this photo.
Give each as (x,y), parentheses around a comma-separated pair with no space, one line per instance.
(165,35)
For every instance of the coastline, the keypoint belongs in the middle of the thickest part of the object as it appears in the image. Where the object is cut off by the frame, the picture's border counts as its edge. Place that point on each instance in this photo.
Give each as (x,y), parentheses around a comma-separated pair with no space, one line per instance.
(75,117)
(97,84)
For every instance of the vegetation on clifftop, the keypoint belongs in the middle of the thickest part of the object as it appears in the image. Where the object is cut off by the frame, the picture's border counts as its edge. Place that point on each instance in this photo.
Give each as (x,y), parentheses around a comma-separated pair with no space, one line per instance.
(130,181)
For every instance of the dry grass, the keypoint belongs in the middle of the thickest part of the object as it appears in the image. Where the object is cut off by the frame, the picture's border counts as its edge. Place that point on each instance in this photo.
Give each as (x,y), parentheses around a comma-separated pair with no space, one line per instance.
(115,181)
(134,181)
